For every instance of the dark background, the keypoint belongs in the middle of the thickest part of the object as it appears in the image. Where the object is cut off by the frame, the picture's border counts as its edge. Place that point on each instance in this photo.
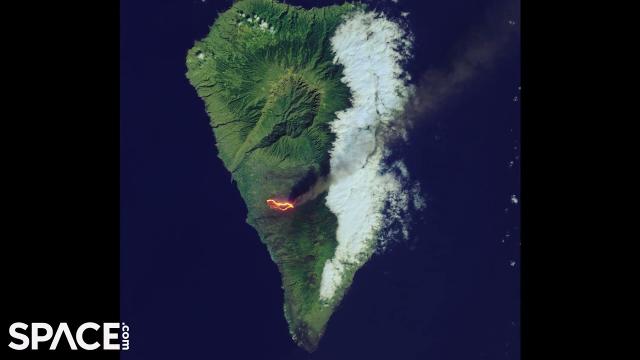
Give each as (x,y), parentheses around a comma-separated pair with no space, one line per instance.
(60,166)
(196,281)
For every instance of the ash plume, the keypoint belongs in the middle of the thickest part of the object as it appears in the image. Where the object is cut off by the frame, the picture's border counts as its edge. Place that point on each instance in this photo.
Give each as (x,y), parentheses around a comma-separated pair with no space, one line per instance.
(320,186)
(478,52)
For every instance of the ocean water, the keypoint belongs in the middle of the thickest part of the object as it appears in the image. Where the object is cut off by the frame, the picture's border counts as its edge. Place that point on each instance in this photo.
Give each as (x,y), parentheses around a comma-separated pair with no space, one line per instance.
(197,283)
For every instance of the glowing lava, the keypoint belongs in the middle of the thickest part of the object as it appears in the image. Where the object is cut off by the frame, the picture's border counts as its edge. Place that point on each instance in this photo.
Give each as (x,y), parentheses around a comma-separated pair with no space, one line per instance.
(280,206)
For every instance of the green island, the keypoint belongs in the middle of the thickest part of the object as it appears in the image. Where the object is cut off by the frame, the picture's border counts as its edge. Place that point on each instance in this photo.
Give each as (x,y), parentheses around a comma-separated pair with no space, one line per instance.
(266,74)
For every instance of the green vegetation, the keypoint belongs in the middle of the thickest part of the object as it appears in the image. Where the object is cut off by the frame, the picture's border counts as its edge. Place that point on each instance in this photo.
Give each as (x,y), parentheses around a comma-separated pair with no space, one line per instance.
(266,75)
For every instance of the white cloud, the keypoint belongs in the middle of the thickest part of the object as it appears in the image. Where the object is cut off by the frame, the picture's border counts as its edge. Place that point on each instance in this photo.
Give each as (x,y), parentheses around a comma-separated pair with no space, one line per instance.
(371,48)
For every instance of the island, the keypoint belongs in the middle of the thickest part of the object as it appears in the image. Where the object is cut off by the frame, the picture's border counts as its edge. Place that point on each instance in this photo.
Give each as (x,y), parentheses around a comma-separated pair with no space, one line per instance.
(272,86)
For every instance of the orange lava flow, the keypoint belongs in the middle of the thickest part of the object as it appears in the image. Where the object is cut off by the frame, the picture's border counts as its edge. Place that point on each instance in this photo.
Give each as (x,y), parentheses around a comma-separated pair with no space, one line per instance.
(280,206)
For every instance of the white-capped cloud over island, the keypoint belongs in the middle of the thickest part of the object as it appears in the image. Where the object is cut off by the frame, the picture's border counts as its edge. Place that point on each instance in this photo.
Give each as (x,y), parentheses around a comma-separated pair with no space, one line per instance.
(372,197)
(365,194)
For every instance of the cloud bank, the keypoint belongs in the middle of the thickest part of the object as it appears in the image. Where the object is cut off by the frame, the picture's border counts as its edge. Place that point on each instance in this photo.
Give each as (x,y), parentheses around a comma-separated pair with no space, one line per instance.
(372,50)
(371,199)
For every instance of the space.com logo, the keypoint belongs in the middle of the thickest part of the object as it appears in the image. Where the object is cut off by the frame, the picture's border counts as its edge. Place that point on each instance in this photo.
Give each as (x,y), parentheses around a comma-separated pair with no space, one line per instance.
(114,336)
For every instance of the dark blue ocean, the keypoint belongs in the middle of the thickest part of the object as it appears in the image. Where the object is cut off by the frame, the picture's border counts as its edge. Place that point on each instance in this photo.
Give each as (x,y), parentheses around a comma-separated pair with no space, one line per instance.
(196,282)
